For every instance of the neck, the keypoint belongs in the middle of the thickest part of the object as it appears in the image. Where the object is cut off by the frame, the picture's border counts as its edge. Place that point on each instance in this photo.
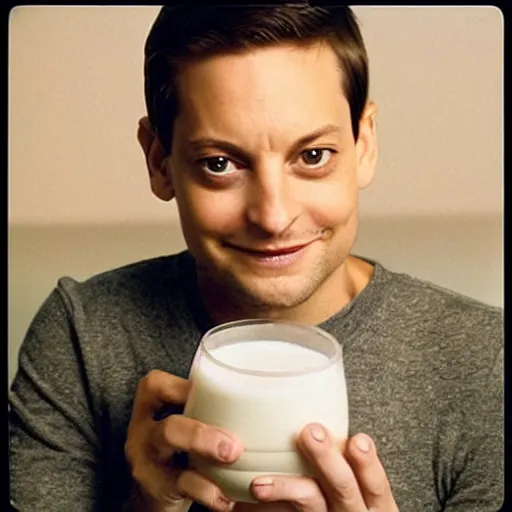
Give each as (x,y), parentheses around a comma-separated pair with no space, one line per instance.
(334,294)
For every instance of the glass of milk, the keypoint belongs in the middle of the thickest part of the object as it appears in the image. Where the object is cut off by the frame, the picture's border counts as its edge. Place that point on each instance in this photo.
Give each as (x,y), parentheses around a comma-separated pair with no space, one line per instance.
(264,381)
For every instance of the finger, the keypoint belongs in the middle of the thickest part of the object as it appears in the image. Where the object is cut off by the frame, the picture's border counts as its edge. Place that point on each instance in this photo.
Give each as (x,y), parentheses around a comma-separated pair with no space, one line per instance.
(303,493)
(153,485)
(198,488)
(334,474)
(179,433)
(373,482)
(158,388)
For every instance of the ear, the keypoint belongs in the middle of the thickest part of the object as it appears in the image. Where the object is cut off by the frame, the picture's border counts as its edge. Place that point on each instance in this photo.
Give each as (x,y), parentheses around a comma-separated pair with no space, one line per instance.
(156,161)
(366,146)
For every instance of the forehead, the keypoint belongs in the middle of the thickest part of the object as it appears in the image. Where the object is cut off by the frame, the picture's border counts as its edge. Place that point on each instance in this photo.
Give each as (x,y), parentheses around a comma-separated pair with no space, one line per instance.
(286,84)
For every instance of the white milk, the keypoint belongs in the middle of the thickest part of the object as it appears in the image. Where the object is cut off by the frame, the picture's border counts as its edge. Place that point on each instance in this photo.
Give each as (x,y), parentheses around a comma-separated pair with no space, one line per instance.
(269,356)
(265,410)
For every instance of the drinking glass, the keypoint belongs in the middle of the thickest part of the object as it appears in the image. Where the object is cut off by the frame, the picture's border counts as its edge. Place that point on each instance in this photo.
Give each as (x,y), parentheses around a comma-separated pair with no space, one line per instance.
(264,381)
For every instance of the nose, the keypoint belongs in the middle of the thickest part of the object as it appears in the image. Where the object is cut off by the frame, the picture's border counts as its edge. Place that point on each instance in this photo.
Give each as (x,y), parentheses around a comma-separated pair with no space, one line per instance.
(270,203)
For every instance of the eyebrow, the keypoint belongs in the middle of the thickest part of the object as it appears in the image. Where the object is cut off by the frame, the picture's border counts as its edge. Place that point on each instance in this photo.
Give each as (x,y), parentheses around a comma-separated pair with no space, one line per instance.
(203,142)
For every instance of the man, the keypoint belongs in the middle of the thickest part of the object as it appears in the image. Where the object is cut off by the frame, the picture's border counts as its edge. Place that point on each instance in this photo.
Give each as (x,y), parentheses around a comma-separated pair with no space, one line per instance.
(260,127)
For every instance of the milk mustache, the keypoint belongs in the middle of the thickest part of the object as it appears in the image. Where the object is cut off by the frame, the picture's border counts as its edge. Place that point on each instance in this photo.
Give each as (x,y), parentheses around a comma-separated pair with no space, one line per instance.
(265,392)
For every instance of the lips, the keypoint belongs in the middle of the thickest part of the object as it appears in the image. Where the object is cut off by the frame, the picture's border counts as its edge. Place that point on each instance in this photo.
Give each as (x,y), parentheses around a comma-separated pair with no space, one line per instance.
(273,259)
(269,253)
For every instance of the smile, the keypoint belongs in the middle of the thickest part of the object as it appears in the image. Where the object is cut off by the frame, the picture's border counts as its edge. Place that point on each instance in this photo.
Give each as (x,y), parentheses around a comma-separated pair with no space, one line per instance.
(273,258)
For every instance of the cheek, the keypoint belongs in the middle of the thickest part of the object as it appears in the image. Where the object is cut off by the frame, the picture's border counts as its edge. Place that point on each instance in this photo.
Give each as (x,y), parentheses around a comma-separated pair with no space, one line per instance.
(204,211)
(333,202)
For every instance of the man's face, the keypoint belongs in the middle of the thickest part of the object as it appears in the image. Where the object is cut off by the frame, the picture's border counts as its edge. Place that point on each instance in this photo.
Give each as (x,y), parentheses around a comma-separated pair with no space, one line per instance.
(266,172)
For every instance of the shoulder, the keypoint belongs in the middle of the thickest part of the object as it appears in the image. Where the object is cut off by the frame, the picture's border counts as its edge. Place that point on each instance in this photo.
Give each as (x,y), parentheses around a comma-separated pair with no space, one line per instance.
(459,335)
(439,304)
(135,298)
(129,285)
(118,319)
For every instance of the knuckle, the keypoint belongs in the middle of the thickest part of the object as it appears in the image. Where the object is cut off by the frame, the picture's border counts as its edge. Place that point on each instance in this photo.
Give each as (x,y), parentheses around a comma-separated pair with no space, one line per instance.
(149,382)
(198,434)
(379,488)
(184,434)
(133,448)
(345,488)
(168,432)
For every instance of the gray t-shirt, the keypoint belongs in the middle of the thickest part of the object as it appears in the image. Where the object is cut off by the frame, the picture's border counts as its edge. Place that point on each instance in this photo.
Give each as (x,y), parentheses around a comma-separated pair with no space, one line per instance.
(424,370)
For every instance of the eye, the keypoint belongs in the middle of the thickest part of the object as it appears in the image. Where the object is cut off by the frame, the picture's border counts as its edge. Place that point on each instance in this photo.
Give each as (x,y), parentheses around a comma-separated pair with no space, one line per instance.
(316,157)
(218,165)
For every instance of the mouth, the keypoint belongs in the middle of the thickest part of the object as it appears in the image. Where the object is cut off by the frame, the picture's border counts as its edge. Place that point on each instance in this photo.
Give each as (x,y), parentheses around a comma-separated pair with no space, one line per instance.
(268,252)
(272,257)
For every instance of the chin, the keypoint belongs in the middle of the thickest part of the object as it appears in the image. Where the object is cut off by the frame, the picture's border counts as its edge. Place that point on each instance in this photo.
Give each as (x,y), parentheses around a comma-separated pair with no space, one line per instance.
(264,289)
(273,293)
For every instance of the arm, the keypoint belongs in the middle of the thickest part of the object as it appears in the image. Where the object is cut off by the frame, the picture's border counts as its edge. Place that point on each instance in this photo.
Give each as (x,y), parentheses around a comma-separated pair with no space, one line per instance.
(54,449)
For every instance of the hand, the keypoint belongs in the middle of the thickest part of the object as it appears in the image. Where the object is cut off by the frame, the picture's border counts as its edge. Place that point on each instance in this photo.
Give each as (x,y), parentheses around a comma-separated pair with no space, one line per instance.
(353,482)
(151,444)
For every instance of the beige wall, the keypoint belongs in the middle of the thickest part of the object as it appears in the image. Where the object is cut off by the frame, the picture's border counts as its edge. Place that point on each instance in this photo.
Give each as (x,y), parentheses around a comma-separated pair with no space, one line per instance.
(76,93)
(79,201)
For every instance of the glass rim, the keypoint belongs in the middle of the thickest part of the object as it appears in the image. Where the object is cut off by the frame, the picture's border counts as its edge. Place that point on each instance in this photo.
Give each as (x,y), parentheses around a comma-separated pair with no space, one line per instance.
(330,360)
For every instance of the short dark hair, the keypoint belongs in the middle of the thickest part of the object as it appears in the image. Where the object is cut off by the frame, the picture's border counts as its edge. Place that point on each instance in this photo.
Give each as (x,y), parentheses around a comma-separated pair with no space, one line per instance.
(185,33)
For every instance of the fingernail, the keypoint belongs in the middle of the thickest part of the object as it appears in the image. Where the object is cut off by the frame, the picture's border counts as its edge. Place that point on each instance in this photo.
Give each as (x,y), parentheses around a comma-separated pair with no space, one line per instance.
(363,444)
(318,433)
(224,450)
(264,480)
(262,487)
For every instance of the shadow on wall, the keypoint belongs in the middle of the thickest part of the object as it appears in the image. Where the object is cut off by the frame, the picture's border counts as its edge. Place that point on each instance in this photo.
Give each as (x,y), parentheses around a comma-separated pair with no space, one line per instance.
(461,253)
